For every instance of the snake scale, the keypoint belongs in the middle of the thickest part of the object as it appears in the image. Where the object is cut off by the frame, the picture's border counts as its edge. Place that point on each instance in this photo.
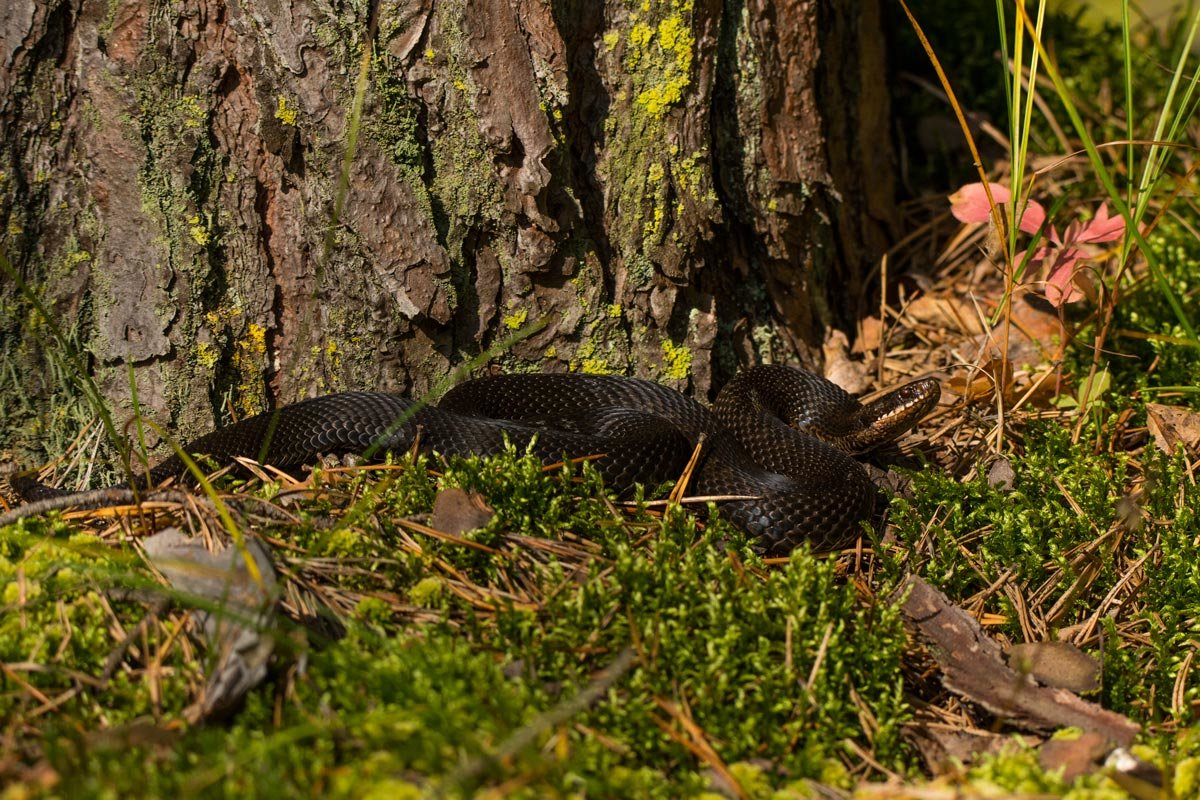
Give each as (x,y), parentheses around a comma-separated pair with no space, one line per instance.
(779,434)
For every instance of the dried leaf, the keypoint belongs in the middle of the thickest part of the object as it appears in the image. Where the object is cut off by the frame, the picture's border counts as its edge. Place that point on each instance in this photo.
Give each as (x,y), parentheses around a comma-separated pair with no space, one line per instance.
(981,383)
(870,335)
(853,376)
(458,511)
(241,629)
(1172,426)
(1059,664)
(945,312)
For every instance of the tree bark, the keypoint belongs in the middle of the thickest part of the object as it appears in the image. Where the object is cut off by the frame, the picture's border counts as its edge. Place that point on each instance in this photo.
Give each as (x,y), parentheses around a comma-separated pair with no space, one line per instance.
(676,186)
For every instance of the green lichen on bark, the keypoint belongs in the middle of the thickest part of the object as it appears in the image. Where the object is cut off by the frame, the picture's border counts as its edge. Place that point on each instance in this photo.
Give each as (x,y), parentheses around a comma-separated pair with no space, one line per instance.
(652,178)
(185,205)
(463,185)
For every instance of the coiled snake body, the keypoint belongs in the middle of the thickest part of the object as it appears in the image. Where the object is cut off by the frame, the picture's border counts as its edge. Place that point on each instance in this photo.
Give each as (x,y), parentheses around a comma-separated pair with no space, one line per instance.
(779,434)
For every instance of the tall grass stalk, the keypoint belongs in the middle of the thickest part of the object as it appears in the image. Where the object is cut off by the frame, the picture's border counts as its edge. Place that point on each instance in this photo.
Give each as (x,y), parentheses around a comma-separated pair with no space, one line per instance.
(1020,118)
(1169,127)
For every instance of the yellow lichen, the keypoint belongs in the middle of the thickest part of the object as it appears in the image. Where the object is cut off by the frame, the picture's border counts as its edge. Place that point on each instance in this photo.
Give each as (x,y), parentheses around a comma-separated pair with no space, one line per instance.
(207,355)
(516,319)
(589,362)
(614,309)
(248,361)
(640,35)
(610,40)
(550,352)
(200,234)
(677,360)
(257,336)
(652,228)
(429,54)
(193,112)
(690,172)
(77,257)
(286,113)
(595,366)
(670,57)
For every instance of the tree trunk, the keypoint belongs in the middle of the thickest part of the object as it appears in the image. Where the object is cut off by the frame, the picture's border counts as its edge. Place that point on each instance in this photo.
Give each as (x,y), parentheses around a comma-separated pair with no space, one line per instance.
(676,186)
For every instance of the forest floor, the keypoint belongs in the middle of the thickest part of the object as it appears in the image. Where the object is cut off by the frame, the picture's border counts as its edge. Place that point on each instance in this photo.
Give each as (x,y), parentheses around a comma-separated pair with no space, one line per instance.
(1023,623)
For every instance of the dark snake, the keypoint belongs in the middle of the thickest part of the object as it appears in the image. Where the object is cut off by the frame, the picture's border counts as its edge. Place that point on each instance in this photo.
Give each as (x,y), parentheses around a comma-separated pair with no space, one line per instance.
(778,434)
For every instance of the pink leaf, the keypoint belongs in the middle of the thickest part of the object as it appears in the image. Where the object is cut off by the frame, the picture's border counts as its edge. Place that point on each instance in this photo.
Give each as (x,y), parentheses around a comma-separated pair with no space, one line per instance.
(1103,228)
(1032,217)
(970,203)
(1060,286)
(1038,257)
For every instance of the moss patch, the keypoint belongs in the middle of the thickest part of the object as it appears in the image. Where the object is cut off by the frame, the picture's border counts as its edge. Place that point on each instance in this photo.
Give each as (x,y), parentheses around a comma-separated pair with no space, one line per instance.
(781,650)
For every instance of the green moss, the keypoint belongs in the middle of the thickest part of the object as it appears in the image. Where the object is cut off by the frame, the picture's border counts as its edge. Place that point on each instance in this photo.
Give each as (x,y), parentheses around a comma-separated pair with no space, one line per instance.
(56,616)
(1064,495)
(1187,777)
(1016,771)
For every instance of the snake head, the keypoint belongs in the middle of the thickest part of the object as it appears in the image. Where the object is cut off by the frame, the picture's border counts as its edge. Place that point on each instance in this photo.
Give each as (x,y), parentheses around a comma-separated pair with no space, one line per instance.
(887,418)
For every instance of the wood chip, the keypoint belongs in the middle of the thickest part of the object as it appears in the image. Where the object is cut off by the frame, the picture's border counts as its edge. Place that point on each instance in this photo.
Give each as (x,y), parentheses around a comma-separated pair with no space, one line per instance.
(1074,755)
(973,666)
